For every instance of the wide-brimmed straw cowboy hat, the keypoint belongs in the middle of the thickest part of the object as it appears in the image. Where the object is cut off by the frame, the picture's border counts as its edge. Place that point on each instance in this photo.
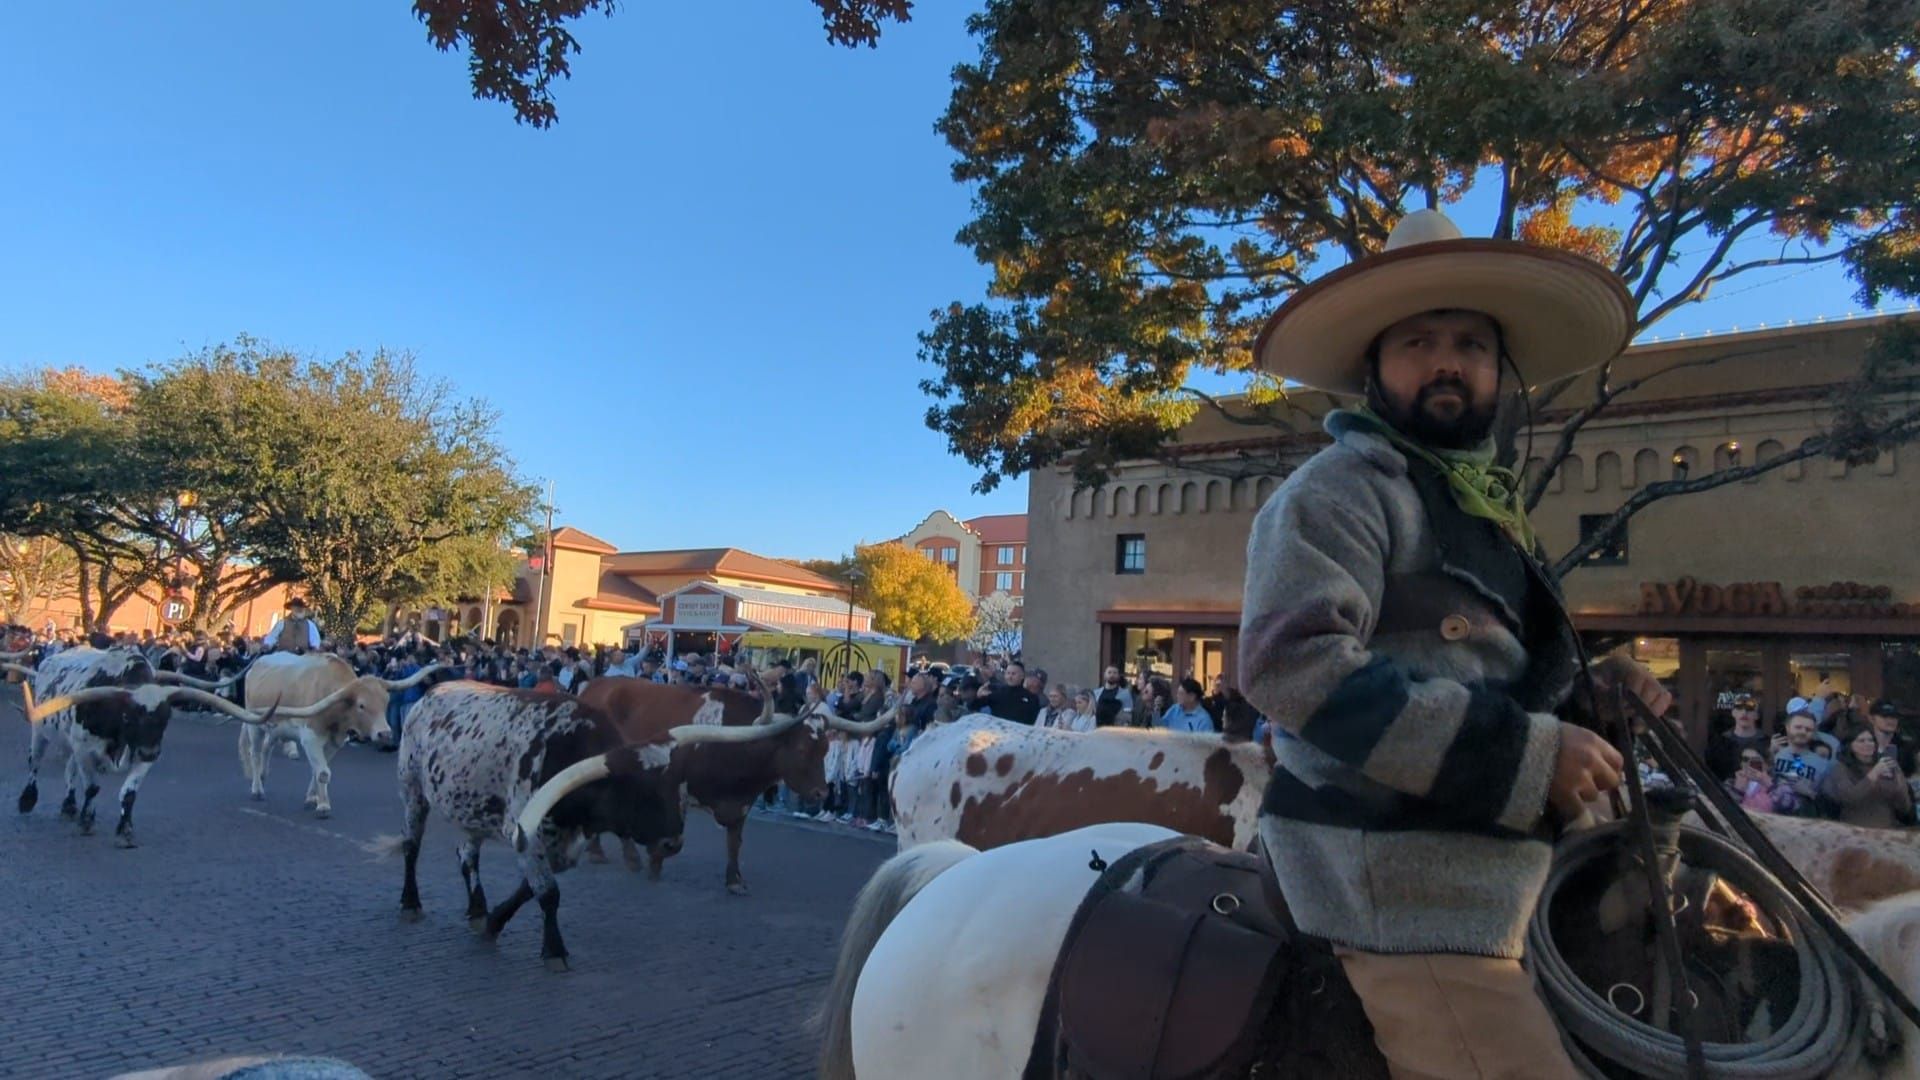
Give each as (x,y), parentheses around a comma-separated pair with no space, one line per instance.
(1559,313)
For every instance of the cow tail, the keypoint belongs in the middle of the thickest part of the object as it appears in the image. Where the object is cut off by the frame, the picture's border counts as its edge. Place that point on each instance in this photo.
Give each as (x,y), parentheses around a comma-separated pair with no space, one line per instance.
(387,845)
(885,895)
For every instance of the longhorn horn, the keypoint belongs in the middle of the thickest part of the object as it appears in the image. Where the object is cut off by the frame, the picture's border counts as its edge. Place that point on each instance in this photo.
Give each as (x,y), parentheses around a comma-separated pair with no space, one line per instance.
(872,727)
(766,692)
(26,690)
(9,657)
(412,680)
(306,712)
(37,713)
(692,734)
(548,795)
(21,670)
(212,701)
(198,684)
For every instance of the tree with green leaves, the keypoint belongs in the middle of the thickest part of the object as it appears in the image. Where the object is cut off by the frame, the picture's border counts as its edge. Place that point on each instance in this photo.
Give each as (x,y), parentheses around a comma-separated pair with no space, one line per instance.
(1154,177)
(445,573)
(353,469)
(838,570)
(69,471)
(518,49)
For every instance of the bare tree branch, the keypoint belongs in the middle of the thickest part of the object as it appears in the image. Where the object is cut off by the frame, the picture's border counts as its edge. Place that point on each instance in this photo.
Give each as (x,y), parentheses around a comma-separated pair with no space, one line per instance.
(1605,394)
(1904,427)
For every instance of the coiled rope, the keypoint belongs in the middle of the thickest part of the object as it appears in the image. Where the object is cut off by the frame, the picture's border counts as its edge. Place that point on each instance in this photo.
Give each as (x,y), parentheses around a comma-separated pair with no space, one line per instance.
(1808,1044)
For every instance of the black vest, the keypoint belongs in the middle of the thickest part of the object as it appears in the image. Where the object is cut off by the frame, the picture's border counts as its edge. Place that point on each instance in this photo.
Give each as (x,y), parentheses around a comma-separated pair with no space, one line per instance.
(1476,554)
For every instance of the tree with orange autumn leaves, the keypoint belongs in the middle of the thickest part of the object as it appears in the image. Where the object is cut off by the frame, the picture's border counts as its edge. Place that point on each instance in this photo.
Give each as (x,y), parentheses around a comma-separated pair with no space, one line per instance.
(1152,178)
(910,595)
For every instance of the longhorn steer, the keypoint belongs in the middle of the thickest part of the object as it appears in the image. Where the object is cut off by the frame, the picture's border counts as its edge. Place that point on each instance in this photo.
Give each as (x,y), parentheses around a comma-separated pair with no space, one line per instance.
(723,778)
(989,782)
(323,704)
(543,770)
(104,707)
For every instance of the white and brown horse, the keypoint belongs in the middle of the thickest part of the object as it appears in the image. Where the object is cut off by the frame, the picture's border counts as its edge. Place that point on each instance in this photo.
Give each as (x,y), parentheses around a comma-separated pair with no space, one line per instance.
(949,950)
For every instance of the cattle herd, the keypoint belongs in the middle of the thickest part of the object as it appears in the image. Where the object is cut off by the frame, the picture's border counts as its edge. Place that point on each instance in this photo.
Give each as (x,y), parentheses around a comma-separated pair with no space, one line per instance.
(553,773)
(548,773)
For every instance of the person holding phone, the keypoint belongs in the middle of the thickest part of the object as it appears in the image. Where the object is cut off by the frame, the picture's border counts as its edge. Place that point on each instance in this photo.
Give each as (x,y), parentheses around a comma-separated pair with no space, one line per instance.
(1866,784)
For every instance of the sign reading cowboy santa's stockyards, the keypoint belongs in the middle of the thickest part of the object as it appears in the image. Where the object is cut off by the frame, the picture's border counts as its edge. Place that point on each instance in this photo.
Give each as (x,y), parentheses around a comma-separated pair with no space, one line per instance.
(1842,599)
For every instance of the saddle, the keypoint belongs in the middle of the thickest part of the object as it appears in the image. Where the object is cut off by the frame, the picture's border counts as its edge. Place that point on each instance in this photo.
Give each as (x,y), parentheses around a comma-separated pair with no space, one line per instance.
(1183,963)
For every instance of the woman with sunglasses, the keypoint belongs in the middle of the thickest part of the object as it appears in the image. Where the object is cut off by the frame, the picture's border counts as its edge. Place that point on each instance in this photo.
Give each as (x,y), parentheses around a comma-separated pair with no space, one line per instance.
(1754,785)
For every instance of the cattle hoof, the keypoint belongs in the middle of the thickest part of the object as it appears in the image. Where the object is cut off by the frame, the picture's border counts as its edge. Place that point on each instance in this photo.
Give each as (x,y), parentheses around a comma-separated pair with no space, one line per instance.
(323,812)
(124,840)
(411,914)
(478,924)
(556,964)
(736,888)
(28,798)
(69,811)
(258,796)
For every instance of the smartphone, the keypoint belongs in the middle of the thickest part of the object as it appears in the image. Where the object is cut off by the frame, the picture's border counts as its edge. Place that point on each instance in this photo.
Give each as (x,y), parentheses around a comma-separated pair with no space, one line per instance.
(1886,753)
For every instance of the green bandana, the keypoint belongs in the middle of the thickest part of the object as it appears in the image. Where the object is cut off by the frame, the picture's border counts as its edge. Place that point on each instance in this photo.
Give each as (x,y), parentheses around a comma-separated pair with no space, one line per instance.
(1480,488)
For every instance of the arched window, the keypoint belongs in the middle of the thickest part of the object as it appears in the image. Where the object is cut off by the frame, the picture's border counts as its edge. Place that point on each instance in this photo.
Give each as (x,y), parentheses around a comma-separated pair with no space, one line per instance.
(1606,473)
(1646,467)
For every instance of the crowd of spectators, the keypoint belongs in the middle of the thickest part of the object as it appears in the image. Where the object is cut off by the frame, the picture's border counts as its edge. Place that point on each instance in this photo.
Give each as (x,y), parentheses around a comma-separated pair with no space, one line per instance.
(1830,755)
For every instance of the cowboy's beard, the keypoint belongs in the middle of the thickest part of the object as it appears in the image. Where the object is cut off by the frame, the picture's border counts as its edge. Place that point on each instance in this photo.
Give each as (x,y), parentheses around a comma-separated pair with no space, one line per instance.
(1432,420)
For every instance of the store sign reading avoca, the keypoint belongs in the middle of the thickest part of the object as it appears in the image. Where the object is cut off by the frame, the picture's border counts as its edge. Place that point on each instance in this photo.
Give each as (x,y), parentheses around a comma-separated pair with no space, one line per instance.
(697,609)
(1842,599)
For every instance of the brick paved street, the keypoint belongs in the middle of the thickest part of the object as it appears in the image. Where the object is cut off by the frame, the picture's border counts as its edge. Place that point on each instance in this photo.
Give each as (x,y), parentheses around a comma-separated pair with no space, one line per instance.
(248,927)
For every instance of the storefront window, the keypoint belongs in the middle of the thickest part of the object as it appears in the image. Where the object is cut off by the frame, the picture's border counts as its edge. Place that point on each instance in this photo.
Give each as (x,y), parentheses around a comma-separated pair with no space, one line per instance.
(1900,674)
(1661,655)
(1732,673)
(1145,648)
(1819,672)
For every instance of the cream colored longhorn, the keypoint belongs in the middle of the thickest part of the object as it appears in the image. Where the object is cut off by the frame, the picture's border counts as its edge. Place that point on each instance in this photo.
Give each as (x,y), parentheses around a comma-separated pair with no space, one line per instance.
(581,773)
(307,712)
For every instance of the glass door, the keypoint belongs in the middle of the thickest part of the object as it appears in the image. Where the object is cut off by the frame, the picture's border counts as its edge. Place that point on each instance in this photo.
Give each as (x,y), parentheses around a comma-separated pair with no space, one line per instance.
(1206,658)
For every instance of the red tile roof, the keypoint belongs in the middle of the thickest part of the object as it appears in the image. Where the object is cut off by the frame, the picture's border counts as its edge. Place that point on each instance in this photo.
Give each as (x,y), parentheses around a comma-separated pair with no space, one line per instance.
(566,536)
(619,594)
(999,528)
(720,562)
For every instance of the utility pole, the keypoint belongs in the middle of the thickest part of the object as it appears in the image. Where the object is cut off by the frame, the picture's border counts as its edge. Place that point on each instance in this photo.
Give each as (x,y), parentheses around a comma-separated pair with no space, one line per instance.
(546,565)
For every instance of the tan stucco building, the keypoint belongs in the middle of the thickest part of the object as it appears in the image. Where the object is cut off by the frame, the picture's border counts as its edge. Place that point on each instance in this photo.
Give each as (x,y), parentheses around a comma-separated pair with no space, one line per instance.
(596,594)
(1762,586)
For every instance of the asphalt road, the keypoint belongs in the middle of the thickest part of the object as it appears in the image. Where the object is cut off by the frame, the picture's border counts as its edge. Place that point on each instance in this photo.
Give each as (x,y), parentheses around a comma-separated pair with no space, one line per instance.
(244,927)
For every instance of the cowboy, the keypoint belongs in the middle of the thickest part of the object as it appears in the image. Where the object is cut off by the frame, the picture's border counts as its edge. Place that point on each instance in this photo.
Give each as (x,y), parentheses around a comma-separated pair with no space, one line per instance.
(1398,624)
(294,632)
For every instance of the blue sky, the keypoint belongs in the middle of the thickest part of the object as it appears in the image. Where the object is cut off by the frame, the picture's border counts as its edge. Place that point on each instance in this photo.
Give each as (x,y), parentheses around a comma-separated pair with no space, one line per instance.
(694,300)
